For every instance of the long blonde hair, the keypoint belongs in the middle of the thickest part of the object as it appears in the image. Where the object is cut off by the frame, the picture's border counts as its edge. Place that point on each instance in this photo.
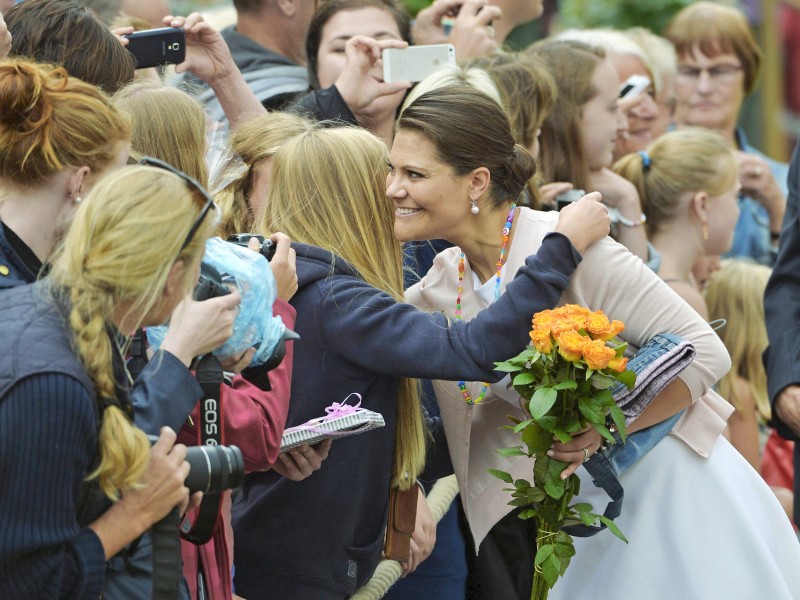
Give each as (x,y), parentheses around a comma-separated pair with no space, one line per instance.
(167,124)
(678,163)
(328,190)
(253,141)
(120,249)
(736,293)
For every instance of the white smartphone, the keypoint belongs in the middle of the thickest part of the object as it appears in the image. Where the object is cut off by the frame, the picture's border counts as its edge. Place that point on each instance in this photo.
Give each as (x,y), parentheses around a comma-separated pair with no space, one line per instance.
(415,63)
(633,85)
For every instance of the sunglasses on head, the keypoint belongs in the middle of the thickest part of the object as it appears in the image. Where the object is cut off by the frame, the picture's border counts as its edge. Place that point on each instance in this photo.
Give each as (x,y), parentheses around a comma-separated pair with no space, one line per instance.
(195,185)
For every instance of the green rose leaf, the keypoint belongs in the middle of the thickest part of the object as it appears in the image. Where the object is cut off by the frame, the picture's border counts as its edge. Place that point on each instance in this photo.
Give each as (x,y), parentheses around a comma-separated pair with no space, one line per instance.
(542,401)
(537,439)
(602,382)
(524,378)
(564,550)
(551,569)
(506,367)
(612,527)
(628,378)
(515,451)
(522,425)
(501,475)
(619,420)
(566,385)
(554,489)
(542,554)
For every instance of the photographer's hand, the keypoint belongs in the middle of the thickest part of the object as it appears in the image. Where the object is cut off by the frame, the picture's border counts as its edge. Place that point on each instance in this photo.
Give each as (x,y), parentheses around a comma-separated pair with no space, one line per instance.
(787,407)
(197,328)
(584,221)
(209,58)
(162,488)
(237,364)
(473,34)
(284,266)
(361,81)
(549,191)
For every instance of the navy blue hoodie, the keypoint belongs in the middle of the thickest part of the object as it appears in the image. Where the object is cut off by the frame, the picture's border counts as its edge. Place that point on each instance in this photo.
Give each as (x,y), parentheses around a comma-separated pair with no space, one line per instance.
(321,538)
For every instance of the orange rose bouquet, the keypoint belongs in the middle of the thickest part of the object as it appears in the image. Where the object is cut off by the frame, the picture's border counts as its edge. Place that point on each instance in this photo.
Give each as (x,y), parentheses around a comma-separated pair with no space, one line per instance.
(564,378)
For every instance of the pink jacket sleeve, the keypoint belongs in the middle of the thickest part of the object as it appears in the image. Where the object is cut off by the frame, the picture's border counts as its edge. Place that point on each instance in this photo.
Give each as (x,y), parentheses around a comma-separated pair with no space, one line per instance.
(254,419)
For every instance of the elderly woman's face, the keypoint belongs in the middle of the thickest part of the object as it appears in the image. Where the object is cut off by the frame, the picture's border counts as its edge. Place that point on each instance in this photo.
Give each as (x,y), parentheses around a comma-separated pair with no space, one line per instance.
(709,90)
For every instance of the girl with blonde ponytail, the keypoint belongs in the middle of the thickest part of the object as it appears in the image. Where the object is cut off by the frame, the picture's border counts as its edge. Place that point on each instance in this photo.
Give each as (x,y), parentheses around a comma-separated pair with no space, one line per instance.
(82,479)
(688,183)
(328,194)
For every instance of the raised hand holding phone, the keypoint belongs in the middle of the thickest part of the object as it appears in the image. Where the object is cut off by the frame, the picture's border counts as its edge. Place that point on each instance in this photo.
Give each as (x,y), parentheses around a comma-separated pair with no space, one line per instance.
(415,63)
(359,84)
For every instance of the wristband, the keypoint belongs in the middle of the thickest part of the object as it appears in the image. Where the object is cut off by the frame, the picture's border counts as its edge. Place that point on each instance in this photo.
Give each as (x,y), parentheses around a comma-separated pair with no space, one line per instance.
(774,235)
(616,217)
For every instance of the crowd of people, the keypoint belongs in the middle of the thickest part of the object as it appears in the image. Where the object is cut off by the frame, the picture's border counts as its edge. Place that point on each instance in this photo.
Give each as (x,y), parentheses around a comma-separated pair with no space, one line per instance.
(417,229)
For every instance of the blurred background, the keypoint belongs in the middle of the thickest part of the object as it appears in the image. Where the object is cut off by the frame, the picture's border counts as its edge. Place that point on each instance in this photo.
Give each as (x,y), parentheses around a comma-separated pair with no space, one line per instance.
(771,114)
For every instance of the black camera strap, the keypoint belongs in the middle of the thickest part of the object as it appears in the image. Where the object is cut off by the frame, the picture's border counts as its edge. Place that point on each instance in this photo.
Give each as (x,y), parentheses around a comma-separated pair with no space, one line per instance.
(210,376)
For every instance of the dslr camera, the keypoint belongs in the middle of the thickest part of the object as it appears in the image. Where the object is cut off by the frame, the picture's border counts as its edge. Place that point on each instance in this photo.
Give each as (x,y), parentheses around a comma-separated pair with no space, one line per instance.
(213,469)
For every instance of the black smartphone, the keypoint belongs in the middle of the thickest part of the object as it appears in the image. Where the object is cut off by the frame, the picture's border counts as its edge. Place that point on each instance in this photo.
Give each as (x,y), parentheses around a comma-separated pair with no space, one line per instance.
(156,47)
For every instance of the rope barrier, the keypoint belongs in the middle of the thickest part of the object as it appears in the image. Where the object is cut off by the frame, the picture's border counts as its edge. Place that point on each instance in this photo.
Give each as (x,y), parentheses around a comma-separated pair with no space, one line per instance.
(389,571)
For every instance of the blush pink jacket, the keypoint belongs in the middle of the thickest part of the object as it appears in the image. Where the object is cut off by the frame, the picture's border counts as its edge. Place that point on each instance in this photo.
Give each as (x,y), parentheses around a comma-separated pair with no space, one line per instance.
(609,278)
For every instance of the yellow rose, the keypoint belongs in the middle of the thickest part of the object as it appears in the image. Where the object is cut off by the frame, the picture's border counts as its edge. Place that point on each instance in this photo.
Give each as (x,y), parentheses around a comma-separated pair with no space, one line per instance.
(570,344)
(601,328)
(543,319)
(541,340)
(597,355)
(618,364)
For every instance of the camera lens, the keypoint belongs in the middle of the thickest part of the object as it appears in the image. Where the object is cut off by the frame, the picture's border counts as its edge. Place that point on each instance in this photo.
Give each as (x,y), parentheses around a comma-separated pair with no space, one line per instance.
(214,468)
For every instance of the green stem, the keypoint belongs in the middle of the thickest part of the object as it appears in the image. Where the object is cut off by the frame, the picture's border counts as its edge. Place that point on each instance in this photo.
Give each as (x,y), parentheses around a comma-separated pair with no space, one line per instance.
(540,590)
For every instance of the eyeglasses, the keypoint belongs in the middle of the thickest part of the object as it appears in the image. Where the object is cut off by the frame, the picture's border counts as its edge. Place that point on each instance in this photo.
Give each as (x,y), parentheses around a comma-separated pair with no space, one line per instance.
(195,185)
(718,74)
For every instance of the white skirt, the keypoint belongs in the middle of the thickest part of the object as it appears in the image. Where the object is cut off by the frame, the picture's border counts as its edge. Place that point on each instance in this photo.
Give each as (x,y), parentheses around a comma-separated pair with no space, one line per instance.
(698,528)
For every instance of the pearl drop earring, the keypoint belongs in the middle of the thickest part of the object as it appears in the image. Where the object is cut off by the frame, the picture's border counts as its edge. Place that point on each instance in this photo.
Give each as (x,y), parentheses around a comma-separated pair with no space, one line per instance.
(474,210)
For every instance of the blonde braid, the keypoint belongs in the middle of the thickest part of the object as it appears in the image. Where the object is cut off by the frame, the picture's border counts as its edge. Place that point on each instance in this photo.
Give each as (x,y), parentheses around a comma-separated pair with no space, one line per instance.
(123,447)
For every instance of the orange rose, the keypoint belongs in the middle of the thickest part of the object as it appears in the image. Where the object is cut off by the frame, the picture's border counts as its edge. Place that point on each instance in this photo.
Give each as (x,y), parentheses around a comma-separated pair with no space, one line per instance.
(601,328)
(618,364)
(541,340)
(597,355)
(543,319)
(570,345)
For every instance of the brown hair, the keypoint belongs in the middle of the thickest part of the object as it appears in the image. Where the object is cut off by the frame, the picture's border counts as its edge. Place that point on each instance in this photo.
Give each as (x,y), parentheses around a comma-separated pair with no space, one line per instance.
(527,89)
(49,121)
(69,34)
(680,162)
(470,130)
(716,29)
(329,8)
(572,65)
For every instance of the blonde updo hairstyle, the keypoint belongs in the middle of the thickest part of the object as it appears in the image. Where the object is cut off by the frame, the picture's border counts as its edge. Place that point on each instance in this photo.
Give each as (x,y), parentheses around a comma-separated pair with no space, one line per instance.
(168,124)
(681,163)
(119,251)
(254,141)
(329,189)
(50,121)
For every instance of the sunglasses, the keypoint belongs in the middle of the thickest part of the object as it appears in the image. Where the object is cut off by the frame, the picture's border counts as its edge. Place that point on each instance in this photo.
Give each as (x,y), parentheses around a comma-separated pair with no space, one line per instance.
(195,185)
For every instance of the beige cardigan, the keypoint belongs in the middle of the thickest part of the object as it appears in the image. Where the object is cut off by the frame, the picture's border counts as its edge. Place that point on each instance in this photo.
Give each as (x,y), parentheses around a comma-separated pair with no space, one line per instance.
(609,278)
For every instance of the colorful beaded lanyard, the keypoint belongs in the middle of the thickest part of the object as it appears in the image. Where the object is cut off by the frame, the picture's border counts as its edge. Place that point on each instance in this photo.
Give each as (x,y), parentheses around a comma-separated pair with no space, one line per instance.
(462,385)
